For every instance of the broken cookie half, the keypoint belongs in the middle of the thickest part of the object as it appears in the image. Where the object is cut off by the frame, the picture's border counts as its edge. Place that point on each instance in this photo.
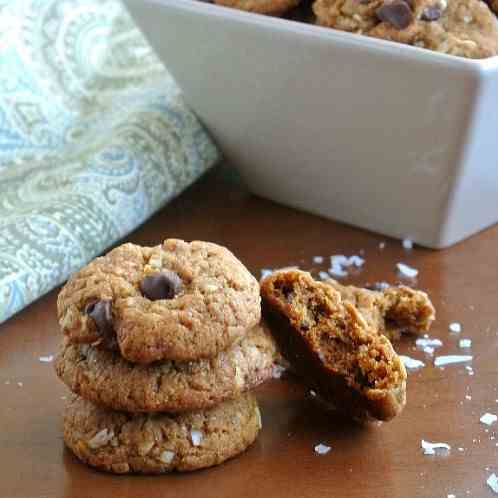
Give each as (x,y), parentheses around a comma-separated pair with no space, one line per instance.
(390,310)
(330,344)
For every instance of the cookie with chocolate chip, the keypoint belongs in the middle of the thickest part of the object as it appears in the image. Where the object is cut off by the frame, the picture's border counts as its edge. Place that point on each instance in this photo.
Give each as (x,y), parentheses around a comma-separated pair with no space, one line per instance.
(465,28)
(123,443)
(176,301)
(268,7)
(348,363)
(107,379)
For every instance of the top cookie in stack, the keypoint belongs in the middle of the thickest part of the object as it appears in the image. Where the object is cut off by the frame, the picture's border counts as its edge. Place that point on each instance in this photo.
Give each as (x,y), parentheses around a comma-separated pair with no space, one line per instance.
(177,301)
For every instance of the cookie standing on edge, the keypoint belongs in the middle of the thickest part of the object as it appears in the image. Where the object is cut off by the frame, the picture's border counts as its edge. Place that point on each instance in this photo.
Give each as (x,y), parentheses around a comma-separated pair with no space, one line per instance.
(332,347)
(392,310)
(123,443)
(466,28)
(177,301)
(105,378)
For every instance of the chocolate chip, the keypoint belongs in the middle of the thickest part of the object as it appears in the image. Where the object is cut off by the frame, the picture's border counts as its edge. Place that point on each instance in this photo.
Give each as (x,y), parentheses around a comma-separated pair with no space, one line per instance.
(397,13)
(163,285)
(101,312)
(431,14)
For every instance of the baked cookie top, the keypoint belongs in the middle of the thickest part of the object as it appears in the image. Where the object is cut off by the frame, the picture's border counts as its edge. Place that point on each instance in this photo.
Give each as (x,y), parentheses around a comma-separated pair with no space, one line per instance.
(268,7)
(176,301)
(107,379)
(391,310)
(122,443)
(329,343)
(465,28)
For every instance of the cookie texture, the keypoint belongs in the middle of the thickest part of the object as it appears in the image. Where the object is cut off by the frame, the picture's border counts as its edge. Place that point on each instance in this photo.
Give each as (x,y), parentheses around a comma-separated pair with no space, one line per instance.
(175,301)
(329,343)
(465,28)
(123,443)
(392,310)
(105,378)
(268,7)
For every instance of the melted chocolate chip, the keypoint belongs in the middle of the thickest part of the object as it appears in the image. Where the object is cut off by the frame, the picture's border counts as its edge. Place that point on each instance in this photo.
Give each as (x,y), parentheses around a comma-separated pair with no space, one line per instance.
(431,14)
(163,285)
(101,313)
(396,13)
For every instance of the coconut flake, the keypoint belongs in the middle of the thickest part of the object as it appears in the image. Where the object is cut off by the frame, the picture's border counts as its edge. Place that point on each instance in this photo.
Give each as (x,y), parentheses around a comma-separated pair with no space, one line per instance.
(488,419)
(465,343)
(455,327)
(322,449)
(468,397)
(406,271)
(382,245)
(318,259)
(101,439)
(46,359)
(429,350)
(492,482)
(196,437)
(411,362)
(424,342)
(355,260)
(451,496)
(450,359)
(20,384)
(277,371)
(407,244)
(167,456)
(323,275)
(265,272)
(429,448)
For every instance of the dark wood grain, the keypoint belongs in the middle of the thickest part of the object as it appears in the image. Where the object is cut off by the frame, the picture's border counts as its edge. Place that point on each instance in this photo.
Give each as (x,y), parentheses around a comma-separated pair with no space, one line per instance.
(378,460)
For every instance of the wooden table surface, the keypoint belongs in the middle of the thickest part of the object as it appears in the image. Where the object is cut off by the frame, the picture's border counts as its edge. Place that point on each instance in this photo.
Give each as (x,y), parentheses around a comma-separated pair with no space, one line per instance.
(376,461)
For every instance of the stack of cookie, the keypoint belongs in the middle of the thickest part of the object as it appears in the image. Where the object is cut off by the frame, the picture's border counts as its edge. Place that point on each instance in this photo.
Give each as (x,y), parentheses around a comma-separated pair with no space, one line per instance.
(162,345)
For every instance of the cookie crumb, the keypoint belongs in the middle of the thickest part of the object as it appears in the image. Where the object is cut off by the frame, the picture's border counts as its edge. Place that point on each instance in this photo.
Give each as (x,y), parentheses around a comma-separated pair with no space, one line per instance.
(258,417)
(167,456)
(492,482)
(450,359)
(322,449)
(465,343)
(455,327)
(196,437)
(488,419)
(100,439)
(20,384)
(411,362)
(382,245)
(429,448)
(46,359)
(406,271)
(468,397)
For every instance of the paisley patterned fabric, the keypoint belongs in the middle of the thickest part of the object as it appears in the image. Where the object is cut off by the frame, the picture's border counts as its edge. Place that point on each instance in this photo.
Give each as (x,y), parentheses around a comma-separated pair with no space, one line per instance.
(94,138)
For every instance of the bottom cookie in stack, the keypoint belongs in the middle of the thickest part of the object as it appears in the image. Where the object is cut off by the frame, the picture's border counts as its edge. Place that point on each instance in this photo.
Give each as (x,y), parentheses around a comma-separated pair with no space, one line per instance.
(122,442)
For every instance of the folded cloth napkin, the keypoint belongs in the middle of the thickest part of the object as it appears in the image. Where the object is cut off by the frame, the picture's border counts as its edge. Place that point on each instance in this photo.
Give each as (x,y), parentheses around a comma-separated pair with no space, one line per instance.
(94,138)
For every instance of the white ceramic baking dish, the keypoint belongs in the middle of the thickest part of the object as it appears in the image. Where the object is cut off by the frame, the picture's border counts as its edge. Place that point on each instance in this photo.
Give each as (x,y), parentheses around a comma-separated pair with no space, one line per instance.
(392,138)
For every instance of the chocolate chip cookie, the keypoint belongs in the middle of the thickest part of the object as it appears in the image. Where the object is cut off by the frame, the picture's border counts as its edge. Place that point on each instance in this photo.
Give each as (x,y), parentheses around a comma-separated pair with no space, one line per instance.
(329,343)
(392,310)
(268,7)
(105,378)
(176,301)
(465,28)
(123,443)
